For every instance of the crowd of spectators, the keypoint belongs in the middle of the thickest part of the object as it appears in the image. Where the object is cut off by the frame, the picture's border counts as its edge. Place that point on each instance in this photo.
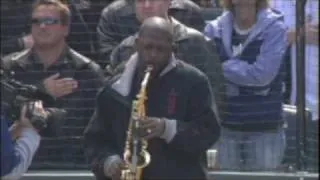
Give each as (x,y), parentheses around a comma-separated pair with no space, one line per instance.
(71,53)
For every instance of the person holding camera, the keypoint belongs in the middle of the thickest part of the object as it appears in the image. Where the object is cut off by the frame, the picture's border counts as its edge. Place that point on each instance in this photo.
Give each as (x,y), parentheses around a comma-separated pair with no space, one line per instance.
(19,143)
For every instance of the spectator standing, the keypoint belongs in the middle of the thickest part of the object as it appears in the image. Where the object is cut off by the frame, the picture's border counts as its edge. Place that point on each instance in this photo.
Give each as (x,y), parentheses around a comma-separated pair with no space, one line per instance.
(118,21)
(62,72)
(288,8)
(252,41)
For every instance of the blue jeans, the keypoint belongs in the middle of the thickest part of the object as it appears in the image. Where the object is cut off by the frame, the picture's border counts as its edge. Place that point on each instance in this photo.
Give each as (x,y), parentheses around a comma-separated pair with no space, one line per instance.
(249,151)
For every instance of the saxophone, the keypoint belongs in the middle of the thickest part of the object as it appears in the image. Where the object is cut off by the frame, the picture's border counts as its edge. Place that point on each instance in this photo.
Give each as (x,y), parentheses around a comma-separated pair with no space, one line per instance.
(136,156)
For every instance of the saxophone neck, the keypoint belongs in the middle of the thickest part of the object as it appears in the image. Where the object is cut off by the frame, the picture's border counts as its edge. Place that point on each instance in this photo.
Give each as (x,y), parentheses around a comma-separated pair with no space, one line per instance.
(146,76)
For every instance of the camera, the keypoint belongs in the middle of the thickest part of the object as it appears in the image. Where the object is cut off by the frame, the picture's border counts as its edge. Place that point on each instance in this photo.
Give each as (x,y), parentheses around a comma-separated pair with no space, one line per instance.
(14,95)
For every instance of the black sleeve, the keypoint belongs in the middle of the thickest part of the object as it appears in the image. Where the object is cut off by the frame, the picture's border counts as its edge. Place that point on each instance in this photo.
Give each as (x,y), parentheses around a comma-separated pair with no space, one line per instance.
(197,20)
(201,129)
(108,37)
(191,18)
(214,72)
(121,54)
(201,53)
(115,56)
(97,76)
(98,137)
(92,81)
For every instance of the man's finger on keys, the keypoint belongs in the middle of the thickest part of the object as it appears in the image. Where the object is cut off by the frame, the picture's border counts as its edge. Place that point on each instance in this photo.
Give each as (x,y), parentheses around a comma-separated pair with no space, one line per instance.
(150,135)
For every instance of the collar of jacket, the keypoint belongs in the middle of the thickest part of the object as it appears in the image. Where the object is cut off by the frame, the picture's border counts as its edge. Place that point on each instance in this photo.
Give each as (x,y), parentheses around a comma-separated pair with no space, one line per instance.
(123,84)
(71,56)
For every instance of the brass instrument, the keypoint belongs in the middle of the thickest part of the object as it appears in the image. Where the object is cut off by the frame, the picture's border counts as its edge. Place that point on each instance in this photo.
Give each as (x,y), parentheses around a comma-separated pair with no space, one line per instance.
(136,156)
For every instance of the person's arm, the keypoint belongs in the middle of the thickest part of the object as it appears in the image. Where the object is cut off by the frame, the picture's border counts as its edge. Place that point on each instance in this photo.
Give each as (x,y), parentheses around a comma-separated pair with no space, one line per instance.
(99,140)
(25,148)
(189,14)
(200,130)
(122,52)
(268,62)
(95,78)
(312,34)
(91,80)
(27,142)
(201,52)
(108,37)
(8,157)
(312,22)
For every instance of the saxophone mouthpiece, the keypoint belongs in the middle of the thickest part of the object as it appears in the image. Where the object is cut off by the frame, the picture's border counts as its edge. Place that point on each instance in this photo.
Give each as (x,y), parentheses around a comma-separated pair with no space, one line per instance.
(149,68)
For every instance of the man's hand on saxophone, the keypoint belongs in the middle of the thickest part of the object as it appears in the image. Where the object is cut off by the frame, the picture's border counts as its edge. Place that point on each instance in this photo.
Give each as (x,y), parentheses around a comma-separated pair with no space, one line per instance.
(113,167)
(152,127)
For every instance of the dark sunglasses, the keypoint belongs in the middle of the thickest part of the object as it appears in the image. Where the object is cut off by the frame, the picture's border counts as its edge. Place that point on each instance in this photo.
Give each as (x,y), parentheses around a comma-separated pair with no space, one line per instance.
(45,21)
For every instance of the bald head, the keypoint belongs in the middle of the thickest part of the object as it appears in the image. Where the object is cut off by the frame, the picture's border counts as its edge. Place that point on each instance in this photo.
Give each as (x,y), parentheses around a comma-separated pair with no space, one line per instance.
(155,43)
(156,26)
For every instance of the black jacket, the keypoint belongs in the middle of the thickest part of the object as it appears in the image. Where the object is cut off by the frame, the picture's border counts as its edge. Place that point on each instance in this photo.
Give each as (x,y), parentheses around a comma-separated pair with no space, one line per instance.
(192,47)
(118,21)
(79,104)
(183,94)
(83,27)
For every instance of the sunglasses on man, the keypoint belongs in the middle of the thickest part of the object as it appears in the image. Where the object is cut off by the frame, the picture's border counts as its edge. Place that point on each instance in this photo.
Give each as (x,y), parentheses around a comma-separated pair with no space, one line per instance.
(45,21)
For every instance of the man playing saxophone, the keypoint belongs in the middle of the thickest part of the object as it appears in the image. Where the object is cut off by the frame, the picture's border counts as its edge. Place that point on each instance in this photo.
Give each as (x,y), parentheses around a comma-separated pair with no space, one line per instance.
(179,124)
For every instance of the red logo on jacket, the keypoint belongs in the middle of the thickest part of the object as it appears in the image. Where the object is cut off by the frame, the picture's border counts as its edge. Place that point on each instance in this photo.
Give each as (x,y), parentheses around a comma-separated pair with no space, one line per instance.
(172,102)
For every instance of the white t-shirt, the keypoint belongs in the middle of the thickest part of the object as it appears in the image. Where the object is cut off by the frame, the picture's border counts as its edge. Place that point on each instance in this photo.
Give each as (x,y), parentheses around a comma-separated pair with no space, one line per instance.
(288,8)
